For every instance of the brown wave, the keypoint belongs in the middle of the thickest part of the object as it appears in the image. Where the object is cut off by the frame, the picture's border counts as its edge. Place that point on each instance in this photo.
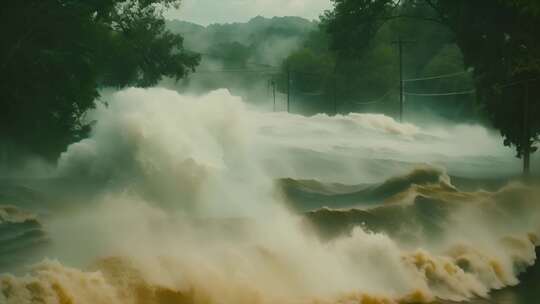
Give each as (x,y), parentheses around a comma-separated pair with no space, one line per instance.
(306,195)
(21,234)
(417,223)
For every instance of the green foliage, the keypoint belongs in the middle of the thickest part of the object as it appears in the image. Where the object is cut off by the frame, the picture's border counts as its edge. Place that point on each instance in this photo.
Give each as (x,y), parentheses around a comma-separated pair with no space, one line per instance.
(311,71)
(498,41)
(348,35)
(242,57)
(233,54)
(503,48)
(366,62)
(55,55)
(525,6)
(269,40)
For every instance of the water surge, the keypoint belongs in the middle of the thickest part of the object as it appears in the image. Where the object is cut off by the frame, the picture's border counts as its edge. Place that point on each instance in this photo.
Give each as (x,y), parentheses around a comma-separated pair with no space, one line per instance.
(184,199)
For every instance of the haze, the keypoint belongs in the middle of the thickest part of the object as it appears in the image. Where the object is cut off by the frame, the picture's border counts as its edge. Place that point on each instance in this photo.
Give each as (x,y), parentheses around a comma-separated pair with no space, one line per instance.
(207,12)
(270,151)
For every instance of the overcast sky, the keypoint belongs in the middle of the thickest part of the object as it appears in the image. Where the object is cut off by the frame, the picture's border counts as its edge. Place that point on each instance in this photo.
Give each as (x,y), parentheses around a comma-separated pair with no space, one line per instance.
(223,11)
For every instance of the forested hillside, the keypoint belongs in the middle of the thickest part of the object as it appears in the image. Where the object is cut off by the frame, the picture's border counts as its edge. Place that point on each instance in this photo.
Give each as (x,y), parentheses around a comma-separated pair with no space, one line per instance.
(363,75)
(247,57)
(242,57)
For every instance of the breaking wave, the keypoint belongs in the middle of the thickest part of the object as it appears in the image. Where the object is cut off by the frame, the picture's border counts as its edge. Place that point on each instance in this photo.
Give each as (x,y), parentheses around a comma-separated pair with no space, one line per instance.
(200,200)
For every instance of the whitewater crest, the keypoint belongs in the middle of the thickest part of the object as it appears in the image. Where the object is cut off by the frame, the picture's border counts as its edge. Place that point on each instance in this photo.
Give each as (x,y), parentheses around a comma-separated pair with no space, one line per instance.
(185,208)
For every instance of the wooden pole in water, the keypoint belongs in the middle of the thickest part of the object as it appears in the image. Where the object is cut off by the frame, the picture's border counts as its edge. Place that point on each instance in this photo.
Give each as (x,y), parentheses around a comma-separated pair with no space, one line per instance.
(401,87)
(335,93)
(526,134)
(274,92)
(288,89)
(400,42)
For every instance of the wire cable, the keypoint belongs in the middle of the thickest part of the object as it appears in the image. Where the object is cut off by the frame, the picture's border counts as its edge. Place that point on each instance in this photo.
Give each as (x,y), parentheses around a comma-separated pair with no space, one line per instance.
(237,71)
(308,73)
(437,77)
(469,92)
(378,100)
(308,93)
(518,82)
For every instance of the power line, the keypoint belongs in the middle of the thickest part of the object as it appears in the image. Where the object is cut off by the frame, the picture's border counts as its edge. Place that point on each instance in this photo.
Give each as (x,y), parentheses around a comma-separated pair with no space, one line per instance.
(472,91)
(320,93)
(518,82)
(236,71)
(441,94)
(378,100)
(309,73)
(437,77)
(368,103)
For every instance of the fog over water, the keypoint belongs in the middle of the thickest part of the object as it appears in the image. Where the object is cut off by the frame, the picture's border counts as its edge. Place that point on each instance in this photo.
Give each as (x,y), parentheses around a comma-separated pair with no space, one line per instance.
(184,199)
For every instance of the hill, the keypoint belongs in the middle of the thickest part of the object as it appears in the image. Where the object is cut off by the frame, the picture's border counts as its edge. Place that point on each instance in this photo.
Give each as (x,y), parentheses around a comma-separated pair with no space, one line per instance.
(259,41)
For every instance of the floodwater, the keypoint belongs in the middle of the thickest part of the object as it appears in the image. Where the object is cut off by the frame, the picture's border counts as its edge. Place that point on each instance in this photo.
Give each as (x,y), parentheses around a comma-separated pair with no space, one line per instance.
(183,199)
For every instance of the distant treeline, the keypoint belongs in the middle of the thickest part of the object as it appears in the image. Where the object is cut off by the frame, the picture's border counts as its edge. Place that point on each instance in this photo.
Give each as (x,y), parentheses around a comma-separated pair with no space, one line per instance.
(246,57)
(242,57)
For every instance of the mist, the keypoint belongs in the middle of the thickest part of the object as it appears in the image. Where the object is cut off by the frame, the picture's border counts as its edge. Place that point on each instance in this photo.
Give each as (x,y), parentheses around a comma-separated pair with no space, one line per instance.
(187,207)
(242,57)
(188,152)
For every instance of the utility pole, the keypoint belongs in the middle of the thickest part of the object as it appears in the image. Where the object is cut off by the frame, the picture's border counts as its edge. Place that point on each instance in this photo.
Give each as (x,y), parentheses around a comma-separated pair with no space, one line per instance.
(335,91)
(526,134)
(288,88)
(274,92)
(400,44)
(401,86)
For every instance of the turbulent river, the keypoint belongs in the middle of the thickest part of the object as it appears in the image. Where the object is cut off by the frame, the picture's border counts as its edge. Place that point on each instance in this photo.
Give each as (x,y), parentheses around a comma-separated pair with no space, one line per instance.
(188,200)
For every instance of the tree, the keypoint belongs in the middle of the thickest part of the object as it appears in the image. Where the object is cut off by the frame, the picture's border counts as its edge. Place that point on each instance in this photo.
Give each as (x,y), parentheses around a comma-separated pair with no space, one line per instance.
(233,54)
(365,74)
(311,71)
(501,47)
(56,54)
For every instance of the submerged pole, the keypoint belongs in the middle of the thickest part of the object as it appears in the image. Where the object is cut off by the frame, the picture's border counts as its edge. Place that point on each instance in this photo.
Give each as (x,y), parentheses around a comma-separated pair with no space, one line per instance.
(274,93)
(288,89)
(401,87)
(335,94)
(400,42)
(526,134)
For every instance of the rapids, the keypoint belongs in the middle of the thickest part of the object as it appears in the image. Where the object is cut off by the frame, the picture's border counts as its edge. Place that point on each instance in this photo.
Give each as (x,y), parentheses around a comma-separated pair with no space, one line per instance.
(184,199)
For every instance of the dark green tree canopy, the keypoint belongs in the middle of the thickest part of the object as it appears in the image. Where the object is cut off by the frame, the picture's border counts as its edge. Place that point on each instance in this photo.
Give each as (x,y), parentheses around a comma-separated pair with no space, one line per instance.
(55,54)
(363,74)
(498,40)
